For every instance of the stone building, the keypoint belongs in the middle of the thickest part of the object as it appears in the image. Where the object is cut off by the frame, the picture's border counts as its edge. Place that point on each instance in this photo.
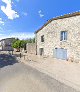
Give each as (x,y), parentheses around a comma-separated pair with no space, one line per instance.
(5,44)
(60,38)
(31,48)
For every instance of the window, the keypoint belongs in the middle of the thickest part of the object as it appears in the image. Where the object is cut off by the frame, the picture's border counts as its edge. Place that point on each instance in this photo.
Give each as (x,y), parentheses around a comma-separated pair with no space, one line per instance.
(63,36)
(41,50)
(42,38)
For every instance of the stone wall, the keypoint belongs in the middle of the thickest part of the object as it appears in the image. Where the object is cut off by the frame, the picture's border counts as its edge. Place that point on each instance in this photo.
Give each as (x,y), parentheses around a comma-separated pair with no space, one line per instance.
(6,44)
(31,48)
(51,34)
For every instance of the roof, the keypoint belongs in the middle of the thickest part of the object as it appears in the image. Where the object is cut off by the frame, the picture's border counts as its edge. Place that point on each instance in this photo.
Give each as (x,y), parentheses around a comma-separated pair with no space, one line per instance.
(60,17)
(6,39)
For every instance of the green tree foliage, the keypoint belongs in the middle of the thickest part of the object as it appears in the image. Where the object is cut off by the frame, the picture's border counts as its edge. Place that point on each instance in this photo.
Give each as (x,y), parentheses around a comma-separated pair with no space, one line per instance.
(30,40)
(16,44)
(22,43)
(33,40)
(15,40)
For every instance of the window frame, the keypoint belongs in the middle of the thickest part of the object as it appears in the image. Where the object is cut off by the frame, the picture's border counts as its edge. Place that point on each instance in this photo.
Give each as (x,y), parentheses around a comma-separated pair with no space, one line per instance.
(63,35)
(42,38)
(41,51)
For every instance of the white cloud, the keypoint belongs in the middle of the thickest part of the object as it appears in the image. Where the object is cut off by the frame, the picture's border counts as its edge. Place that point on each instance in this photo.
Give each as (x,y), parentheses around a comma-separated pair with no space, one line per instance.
(39,11)
(40,14)
(17,0)
(24,13)
(1,29)
(11,14)
(20,35)
(1,34)
(1,21)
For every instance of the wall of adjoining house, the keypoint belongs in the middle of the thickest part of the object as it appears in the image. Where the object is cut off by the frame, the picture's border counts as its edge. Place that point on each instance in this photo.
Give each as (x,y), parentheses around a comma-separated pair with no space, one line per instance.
(0,46)
(6,44)
(31,48)
(51,34)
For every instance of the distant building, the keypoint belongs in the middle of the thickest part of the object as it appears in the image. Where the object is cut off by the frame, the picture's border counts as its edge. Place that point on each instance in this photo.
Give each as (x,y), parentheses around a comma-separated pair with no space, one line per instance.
(5,44)
(60,38)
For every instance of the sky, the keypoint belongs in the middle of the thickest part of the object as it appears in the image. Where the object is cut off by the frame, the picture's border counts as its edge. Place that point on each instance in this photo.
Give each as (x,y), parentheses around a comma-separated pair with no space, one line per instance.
(21,18)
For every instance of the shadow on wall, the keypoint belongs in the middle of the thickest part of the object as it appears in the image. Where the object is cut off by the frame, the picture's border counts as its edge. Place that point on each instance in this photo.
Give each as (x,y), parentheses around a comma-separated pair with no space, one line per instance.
(6,60)
(18,54)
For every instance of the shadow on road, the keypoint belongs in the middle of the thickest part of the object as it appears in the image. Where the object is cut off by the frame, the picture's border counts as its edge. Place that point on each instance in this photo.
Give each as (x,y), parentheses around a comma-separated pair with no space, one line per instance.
(6,60)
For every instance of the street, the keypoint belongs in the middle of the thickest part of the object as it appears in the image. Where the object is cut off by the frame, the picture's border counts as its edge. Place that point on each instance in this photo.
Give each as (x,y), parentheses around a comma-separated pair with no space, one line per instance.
(23,78)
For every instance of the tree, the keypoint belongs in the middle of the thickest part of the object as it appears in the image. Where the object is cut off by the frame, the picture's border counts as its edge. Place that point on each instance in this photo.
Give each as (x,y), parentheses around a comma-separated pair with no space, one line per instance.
(30,40)
(33,40)
(21,43)
(16,45)
(16,39)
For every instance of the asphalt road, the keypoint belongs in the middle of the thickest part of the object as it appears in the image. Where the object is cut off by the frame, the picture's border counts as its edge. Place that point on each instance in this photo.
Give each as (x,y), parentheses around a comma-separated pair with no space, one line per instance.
(6,59)
(22,78)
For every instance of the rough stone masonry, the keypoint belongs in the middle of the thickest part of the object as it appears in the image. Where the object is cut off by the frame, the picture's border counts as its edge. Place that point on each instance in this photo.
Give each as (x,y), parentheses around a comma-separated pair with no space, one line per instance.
(52,31)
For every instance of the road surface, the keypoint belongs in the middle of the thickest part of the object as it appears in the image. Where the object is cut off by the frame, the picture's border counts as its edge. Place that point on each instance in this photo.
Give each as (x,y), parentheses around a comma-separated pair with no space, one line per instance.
(22,78)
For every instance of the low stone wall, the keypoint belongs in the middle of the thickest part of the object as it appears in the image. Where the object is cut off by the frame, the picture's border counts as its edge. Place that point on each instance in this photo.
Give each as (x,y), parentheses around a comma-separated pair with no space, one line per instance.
(35,58)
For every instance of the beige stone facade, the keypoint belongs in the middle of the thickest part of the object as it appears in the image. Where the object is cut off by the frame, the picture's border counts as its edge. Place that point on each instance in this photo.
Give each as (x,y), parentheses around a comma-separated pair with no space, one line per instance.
(5,44)
(31,48)
(52,33)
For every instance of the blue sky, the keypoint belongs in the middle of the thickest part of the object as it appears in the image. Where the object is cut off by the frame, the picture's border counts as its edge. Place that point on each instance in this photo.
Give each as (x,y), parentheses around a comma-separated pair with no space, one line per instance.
(21,18)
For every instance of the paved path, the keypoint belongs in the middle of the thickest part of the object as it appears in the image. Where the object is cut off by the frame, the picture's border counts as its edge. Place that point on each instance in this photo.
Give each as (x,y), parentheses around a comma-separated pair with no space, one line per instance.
(23,78)
(64,71)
